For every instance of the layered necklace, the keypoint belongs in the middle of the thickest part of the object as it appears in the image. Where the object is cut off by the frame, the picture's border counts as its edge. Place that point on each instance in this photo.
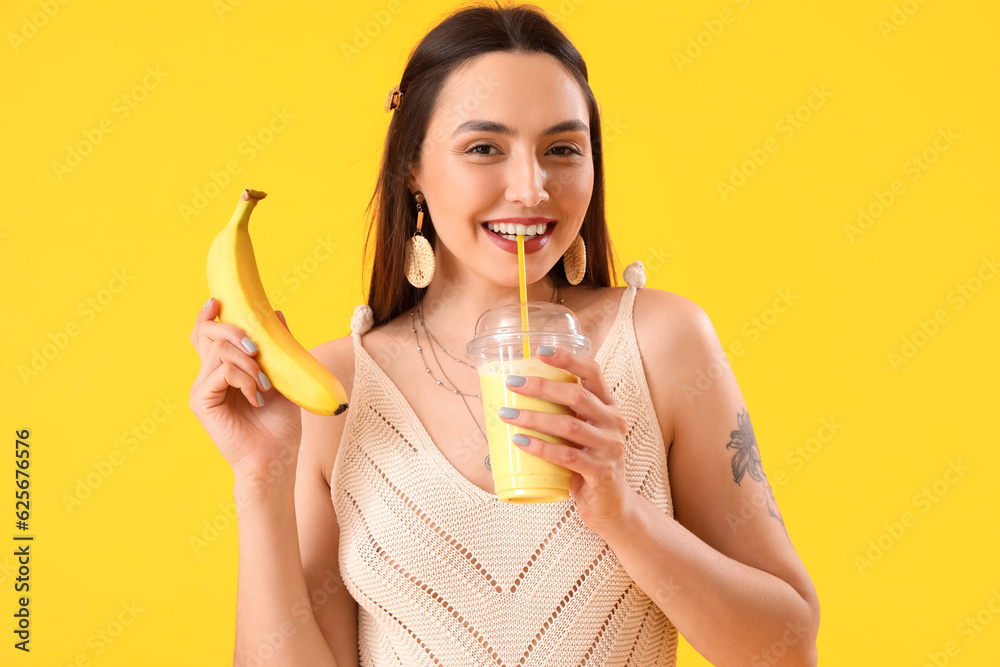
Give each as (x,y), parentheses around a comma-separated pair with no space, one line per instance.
(558,298)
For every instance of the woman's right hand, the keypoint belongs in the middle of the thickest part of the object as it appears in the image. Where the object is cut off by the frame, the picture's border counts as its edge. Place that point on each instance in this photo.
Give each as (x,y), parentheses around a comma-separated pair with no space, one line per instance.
(258,441)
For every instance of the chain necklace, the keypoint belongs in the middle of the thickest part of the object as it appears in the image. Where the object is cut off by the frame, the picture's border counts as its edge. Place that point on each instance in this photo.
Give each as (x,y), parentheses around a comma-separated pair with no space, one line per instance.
(454,390)
(557,293)
(430,336)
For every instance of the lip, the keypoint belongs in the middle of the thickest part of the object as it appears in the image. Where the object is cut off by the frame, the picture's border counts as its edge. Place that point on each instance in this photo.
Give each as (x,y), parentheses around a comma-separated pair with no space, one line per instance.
(534,244)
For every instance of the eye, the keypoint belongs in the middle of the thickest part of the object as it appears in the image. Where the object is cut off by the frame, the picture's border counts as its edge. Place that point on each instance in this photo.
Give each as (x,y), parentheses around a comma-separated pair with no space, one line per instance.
(570,149)
(474,152)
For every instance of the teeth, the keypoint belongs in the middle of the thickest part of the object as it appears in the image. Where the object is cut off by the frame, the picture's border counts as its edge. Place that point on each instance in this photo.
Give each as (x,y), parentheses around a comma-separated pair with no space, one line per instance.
(509,229)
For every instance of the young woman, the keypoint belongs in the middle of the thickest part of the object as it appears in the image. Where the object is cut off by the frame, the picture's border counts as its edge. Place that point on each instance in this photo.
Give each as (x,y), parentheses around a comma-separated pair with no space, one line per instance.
(374,537)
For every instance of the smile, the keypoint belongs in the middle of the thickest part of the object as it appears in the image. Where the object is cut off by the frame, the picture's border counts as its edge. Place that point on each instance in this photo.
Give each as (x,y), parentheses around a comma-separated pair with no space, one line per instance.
(509,230)
(504,235)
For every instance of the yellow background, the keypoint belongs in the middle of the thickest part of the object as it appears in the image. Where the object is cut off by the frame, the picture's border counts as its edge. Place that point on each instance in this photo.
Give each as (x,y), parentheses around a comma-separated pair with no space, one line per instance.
(675,129)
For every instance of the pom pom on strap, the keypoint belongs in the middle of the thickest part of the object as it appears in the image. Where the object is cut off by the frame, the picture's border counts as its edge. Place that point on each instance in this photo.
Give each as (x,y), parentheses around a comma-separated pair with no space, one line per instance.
(362,320)
(635,274)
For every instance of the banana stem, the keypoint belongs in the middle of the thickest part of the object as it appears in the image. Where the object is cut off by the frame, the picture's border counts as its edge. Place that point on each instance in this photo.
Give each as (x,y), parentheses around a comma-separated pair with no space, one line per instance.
(248,200)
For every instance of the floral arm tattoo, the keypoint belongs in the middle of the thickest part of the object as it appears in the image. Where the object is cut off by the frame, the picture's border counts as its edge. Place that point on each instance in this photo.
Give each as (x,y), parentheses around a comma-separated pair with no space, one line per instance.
(747,460)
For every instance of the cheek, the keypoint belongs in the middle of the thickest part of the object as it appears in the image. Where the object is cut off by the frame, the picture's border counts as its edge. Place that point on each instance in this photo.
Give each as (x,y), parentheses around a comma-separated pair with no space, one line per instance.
(467,189)
(462,195)
(573,188)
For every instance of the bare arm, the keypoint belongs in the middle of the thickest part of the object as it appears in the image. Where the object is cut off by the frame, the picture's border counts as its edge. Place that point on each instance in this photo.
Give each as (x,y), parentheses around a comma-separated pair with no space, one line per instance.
(335,610)
(274,622)
(292,607)
(723,569)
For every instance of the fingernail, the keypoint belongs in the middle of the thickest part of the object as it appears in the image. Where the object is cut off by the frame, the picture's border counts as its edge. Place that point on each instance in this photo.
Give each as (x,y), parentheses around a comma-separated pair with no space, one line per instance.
(264,381)
(546,351)
(260,399)
(509,413)
(207,303)
(520,440)
(515,381)
(249,345)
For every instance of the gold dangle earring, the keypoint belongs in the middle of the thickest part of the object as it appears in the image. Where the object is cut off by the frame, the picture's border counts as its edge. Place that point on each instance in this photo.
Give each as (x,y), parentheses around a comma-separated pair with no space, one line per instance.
(575,261)
(418,259)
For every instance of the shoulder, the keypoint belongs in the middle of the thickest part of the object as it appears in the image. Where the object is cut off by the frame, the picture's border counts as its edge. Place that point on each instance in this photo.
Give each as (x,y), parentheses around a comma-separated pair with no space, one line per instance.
(677,338)
(321,434)
(337,356)
(671,324)
(677,342)
(666,324)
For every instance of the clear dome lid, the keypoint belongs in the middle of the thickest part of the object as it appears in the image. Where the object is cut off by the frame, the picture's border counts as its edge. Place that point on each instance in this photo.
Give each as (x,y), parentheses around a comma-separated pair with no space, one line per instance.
(499,331)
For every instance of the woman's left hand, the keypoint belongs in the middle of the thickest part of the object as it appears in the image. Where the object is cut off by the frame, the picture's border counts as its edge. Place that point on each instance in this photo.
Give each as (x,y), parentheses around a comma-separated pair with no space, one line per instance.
(596,435)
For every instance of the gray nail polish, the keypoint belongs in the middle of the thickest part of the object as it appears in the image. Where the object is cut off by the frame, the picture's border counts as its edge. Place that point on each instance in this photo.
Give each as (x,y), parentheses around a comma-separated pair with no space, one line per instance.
(260,399)
(509,413)
(546,351)
(205,307)
(519,439)
(515,381)
(264,381)
(250,346)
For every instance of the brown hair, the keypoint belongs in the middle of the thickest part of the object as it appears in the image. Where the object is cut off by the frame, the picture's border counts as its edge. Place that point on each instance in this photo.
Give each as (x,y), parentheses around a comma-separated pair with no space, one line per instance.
(467,33)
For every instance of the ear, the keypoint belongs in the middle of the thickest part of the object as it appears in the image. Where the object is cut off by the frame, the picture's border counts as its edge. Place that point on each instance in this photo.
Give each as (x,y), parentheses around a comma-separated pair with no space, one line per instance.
(413,180)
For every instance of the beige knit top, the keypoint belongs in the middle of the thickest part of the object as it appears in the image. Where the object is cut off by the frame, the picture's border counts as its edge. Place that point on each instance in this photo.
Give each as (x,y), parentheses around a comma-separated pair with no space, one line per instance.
(446,574)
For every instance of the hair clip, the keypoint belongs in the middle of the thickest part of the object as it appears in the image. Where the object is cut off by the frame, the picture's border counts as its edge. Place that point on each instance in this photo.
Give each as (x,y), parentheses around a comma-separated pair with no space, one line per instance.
(393,99)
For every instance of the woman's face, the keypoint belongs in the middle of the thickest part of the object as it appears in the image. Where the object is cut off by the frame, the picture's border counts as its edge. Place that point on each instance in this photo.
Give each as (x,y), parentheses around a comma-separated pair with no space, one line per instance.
(509,138)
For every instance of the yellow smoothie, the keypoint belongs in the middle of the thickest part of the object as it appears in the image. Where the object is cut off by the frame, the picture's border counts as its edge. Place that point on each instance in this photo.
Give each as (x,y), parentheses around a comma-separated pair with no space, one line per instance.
(518,476)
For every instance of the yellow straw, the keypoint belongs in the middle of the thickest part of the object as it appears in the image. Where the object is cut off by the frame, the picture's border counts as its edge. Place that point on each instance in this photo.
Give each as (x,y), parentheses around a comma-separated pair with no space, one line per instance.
(524,292)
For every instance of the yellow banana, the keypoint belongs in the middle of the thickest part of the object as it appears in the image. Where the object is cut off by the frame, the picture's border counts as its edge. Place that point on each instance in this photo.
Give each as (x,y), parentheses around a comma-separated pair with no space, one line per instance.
(234,280)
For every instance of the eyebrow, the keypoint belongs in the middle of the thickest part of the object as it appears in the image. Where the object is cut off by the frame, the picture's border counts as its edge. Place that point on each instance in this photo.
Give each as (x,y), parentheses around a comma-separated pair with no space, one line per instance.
(500,128)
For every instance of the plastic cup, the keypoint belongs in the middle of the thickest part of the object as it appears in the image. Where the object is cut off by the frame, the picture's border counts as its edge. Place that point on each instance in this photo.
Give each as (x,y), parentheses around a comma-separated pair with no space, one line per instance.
(498,350)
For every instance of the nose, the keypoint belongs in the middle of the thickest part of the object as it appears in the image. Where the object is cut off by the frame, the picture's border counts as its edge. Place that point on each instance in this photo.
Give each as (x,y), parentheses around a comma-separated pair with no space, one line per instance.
(526,181)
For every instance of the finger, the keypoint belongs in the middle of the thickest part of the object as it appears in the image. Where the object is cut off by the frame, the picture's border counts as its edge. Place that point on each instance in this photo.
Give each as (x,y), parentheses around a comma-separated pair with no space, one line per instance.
(213,390)
(210,331)
(222,350)
(575,431)
(281,316)
(571,458)
(573,395)
(585,368)
(208,312)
